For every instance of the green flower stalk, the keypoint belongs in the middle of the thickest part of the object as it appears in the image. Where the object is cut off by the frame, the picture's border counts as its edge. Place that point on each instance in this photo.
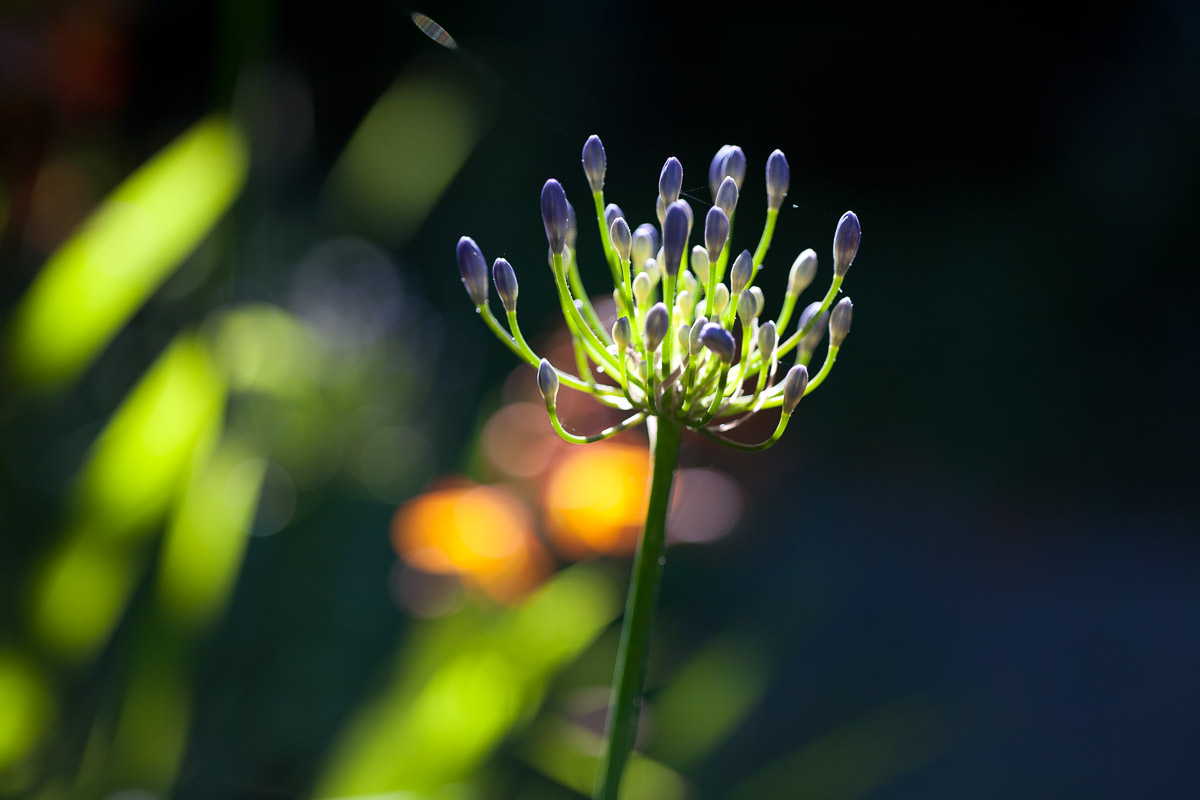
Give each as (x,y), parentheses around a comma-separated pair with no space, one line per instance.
(687,350)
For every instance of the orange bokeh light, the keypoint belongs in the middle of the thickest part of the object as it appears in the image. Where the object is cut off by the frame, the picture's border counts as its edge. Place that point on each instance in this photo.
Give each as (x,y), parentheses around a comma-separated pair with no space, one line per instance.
(480,533)
(595,499)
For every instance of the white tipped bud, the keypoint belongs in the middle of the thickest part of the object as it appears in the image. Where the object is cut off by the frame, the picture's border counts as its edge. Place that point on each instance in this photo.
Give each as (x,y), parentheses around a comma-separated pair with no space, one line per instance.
(804,269)
(839,322)
(720,299)
(684,337)
(685,301)
(547,380)
(768,337)
(747,305)
(742,272)
(622,333)
(688,281)
(642,287)
(644,245)
(793,387)
(657,320)
(700,261)
(760,300)
(622,238)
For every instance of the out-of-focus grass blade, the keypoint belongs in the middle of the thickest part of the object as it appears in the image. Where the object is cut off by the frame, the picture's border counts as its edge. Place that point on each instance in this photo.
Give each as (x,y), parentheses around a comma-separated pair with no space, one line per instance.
(438,733)
(94,283)
(137,466)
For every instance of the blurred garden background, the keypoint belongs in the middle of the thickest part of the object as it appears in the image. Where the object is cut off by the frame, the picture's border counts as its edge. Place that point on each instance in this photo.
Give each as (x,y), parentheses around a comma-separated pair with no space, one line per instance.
(279,518)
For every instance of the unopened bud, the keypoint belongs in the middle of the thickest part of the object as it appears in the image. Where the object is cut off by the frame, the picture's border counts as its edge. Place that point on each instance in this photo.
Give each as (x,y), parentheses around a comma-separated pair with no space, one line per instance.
(622,333)
(793,387)
(716,170)
(685,301)
(684,337)
(473,269)
(554,215)
(657,321)
(687,280)
(718,340)
(804,269)
(778,175)
(720,298)
(734,165)
(660,210)
(612,212)
(716,232)
(839,322)
(742,272)
(547,380)
(768,337)
(572,227)
(642,287)
(699,260)
(645,244)
(506,283)
(845,243)
(594,163)
(694,340)
(760,300)
(622,239)
(670,181)
(747,306)
(816,332)
(653,272)
(675,235)
(727,196)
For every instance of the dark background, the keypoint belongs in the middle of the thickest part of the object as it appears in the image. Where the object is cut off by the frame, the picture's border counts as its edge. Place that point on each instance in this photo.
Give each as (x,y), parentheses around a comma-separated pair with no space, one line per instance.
(988,512)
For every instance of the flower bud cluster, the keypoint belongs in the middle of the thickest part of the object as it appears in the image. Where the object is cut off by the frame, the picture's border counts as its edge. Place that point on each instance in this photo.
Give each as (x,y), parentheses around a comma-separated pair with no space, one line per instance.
(690,343)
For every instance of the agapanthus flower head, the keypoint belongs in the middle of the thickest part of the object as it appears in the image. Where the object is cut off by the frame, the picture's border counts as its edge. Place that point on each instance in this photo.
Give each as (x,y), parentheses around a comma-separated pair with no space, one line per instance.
(687,346)
(594,163)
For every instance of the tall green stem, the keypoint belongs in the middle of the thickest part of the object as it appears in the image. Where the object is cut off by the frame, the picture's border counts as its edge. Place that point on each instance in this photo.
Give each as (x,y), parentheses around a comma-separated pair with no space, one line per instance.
(630,672)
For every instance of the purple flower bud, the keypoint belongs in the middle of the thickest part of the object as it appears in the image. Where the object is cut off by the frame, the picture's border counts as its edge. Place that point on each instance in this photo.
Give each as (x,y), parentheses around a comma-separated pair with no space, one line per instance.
(734,165)
(845,243)
(622,239)
(793,387)
(768,337)
(612,212)
(716,170)
(778,175)
(839,322)
(547,380)
(594,163)
(676,228)
(727,196)
(816,332)
(716,232)
(473,269)
(506,283)
(555,215)
(657,321)
(742,272)
(644,245)
(670,180)
(804,269)
(719,341)
(747,307)
(622,332)
(572,227)
(694,340)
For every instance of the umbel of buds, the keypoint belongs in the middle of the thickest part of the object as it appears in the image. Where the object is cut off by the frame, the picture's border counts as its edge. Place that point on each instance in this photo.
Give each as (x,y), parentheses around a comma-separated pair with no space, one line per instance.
(690,342)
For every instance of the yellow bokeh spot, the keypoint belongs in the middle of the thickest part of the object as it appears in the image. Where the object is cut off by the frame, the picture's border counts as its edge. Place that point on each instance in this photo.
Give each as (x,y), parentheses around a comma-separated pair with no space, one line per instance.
(595,498)
(480,533)
(26,702)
